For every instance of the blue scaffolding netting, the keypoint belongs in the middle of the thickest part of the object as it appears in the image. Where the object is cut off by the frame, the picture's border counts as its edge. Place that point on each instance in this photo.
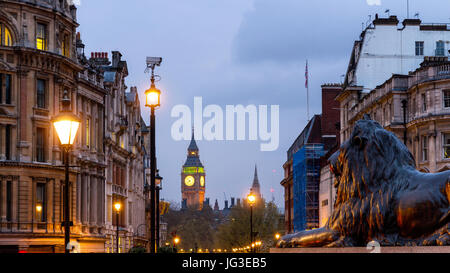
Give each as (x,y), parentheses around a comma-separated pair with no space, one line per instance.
(306,169)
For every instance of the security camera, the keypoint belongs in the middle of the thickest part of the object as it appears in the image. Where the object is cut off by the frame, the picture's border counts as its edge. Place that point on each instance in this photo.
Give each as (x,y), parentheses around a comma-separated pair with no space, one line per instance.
(152,61)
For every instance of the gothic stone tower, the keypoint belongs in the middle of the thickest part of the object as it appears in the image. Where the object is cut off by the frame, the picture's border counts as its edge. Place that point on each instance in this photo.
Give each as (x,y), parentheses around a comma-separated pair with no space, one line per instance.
(193,178)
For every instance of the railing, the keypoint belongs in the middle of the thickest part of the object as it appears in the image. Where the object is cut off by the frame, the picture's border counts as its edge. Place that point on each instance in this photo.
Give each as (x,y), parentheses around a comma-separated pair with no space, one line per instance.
(117,189)
(46,228)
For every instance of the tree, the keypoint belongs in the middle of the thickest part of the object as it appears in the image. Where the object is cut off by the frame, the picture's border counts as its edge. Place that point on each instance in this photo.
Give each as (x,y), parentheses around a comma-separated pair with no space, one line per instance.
(195,228)
(235,232)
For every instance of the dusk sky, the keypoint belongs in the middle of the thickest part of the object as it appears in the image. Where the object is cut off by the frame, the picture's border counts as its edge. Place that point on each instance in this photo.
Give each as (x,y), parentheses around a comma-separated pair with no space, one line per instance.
(232,52)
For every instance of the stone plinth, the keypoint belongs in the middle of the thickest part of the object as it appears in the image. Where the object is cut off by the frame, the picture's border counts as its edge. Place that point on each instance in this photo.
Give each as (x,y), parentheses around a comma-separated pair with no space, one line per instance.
(399,249)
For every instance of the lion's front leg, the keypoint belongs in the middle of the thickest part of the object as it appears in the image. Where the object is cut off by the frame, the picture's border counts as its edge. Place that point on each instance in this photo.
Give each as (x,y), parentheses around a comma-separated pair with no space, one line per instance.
(309,238)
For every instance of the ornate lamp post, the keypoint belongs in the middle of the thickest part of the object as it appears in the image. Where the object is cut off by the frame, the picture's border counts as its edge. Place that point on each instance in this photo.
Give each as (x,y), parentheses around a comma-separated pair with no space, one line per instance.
(117,207)
(66,125)
(152,100)
(251,199)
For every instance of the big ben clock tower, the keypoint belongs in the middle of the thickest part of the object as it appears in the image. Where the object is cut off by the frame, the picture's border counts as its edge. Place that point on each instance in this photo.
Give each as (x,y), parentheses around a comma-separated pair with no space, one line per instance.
(193,178)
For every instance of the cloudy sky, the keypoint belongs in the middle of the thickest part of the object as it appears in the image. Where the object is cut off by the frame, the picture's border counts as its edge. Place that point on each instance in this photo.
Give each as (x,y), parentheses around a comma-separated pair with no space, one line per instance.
(236,52)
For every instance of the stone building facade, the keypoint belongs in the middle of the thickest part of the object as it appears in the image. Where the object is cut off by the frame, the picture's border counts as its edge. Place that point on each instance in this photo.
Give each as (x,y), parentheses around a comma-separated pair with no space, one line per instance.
(41,57)
(425,119)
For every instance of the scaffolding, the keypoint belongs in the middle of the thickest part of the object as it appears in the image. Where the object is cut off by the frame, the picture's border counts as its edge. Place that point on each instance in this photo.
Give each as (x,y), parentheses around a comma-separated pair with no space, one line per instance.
(306,179)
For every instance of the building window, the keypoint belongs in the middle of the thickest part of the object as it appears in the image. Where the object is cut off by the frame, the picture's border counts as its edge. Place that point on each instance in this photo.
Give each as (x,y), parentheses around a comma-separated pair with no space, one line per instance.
(419,48)
(5,88)
(440,48)
(424,148)
(325,203)
(40,203)
(5,35)
(41,36)
(88,132)
(424,103)
(446,145)
(65,46)
(40,93)
(8,142)
(40,144)
(446,98)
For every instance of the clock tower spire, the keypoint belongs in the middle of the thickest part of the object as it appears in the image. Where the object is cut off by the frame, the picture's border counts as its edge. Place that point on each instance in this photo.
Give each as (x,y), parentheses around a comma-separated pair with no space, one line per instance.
(193,177)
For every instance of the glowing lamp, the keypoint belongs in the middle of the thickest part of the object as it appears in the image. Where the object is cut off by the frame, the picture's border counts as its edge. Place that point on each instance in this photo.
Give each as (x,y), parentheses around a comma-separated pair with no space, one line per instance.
(251,198)
(66,125)
(117,206)
(152,97)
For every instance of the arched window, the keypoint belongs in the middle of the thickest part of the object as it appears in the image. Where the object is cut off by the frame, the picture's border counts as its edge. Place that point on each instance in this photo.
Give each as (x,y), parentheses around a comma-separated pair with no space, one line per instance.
(6,38)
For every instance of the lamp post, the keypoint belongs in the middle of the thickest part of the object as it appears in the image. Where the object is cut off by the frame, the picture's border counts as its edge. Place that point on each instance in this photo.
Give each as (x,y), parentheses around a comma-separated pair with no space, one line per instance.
(66,125)
(152,100)
(158,179)
(117,207)
(251,199)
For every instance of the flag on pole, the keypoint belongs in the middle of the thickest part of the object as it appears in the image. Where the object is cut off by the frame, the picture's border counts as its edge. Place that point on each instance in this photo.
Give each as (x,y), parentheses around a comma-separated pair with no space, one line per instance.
(306,75)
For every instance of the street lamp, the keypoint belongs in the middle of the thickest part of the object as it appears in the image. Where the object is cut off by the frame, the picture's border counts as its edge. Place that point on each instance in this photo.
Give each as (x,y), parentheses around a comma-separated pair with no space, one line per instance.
(158,179)
(176,240)
(152,100)
(117,207)
(66,125)
(277,236)
(251,199)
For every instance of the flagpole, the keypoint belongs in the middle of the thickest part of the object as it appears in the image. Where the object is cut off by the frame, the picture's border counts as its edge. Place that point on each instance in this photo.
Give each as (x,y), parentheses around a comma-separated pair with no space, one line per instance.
(307,90)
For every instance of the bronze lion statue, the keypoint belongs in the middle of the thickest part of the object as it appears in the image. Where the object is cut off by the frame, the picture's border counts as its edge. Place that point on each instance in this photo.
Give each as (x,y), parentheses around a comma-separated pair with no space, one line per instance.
(380,196)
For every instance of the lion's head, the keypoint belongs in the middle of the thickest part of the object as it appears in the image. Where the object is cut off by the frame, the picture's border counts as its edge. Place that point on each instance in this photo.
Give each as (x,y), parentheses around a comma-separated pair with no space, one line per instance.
(367,168)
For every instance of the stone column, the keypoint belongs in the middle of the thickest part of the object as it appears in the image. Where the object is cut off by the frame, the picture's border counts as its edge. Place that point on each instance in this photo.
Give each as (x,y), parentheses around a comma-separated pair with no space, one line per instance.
(93,200)
(84,199)
(24,126)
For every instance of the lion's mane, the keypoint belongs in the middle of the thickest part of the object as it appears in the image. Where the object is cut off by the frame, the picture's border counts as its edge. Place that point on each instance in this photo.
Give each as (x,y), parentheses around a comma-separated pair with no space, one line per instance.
(370,164)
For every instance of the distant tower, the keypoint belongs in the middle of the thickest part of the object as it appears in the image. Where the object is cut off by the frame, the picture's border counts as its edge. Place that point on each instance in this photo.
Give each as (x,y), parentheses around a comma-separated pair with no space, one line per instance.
(255,186)
(193,177)
(216,206)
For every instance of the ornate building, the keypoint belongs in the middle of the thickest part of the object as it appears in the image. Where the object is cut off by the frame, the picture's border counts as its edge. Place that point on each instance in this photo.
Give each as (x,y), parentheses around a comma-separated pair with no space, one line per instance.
(193,178)
(41,57)
(416,107)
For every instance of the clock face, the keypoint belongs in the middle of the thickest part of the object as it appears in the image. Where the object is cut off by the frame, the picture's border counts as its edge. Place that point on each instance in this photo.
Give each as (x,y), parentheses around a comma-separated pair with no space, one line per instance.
(189,181)
(202,181)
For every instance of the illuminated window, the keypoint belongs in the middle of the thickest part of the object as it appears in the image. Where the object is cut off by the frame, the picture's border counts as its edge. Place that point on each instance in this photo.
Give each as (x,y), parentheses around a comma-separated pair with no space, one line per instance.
(7,38)
(40,203)
(41,36)
(190,170)
(88,133)
(65,46)
(5,34)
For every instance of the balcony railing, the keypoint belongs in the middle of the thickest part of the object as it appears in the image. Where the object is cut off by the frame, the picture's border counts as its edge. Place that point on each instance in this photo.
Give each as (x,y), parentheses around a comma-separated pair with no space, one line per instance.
(45,228)
(119,190)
